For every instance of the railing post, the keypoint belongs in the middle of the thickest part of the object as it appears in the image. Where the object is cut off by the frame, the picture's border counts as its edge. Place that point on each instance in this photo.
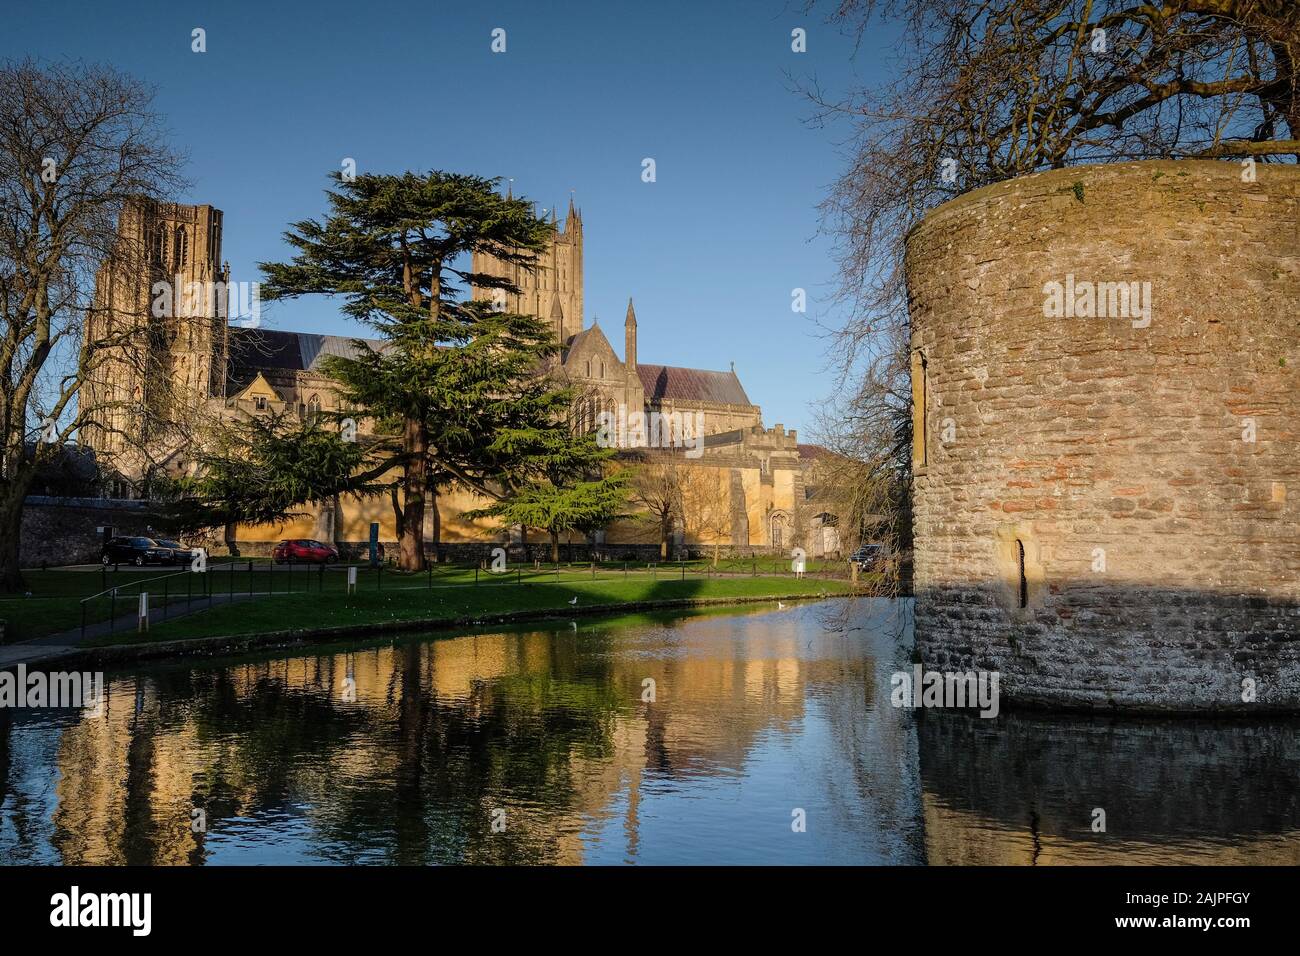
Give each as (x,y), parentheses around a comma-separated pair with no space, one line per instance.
(166,590)
(250,577)
(112,611)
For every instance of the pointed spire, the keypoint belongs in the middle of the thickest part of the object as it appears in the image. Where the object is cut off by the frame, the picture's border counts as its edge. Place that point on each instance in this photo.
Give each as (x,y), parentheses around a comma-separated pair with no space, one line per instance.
(557,317)
(510,188)
(629,339)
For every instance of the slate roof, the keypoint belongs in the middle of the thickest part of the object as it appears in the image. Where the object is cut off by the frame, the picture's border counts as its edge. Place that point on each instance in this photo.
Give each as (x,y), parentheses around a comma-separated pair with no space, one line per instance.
(691,384)
(258,350)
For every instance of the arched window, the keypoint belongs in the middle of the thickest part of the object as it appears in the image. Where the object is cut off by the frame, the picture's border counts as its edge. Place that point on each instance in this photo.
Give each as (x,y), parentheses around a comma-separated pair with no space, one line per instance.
(182,248)
(588,368)
(313,407)
(160,250)
(778,529)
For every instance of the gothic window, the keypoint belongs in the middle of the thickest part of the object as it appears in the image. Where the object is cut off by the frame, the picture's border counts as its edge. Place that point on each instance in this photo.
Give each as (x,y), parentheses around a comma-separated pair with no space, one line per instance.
(160,250)
(602,369)
(588,368)
(313,407)
(778,530)
(182,248)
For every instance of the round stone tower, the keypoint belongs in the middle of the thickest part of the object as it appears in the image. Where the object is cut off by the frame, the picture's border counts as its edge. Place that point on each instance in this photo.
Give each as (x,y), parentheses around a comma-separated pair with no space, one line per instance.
(1107,436)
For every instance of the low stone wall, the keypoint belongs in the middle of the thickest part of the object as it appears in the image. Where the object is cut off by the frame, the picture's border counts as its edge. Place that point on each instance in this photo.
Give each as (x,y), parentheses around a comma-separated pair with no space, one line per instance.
(68,530)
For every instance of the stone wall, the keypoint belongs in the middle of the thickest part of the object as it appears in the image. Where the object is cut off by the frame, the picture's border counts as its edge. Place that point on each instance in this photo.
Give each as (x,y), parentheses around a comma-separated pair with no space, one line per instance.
(64,530)
(1106,507)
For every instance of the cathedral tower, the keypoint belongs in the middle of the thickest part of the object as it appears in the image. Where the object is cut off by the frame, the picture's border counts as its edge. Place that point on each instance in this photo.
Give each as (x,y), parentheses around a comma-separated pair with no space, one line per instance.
(165,286)
(554,288)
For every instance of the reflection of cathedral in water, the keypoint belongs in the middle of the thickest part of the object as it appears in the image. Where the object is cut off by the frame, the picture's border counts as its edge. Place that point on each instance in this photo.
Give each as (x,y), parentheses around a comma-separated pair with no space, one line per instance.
(1024,790)
(401,753)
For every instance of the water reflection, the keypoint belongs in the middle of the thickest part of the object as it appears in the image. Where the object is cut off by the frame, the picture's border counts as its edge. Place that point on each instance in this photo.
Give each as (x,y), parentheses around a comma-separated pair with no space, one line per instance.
(1023,790)
(410,753)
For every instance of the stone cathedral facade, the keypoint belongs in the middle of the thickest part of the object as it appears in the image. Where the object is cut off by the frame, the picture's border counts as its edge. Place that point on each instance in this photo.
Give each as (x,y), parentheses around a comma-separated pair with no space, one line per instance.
(760,481)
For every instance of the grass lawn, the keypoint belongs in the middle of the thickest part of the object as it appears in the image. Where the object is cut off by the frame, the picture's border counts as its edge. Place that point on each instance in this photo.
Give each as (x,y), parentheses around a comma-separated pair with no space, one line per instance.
(54,603)
(410,600)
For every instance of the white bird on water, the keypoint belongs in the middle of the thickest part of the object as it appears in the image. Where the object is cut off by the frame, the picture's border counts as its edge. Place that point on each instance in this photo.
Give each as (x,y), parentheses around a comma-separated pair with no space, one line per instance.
(780,606)
(574,600)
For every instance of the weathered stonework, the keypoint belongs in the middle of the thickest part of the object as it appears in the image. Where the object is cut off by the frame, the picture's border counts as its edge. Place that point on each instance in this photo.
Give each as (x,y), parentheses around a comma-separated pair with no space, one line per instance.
(1105,510)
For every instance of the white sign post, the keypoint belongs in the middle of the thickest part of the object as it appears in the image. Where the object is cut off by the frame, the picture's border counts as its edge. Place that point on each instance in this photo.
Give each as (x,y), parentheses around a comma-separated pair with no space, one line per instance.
(142,620)
(352,580)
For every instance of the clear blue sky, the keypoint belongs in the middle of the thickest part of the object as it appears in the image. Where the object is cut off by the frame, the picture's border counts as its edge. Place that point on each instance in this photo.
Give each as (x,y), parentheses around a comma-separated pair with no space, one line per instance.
(585,91)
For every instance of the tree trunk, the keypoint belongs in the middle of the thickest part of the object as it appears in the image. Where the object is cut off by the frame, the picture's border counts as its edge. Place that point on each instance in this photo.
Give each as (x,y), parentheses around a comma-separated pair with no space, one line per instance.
(555,547)
(232,539)
(11,527)
(415,444)
(437,525)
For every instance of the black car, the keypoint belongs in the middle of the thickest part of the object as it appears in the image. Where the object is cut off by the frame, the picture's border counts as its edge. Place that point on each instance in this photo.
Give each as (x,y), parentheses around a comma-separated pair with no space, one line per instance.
(180,553)
(868,556)
(137,551)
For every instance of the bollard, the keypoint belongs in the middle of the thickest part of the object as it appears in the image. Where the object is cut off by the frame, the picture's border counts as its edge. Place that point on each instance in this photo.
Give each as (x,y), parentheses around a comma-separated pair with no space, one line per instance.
(142,618)
(352,579)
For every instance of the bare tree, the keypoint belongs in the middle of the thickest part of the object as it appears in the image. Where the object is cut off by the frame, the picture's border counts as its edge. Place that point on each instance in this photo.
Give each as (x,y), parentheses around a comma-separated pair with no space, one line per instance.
(706,506)
(656,493)
(78,144)
(993,89)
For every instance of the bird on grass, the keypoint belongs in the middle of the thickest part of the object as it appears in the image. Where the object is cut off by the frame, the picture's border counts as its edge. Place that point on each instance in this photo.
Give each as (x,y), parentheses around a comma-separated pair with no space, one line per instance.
(780,606)
(574,600)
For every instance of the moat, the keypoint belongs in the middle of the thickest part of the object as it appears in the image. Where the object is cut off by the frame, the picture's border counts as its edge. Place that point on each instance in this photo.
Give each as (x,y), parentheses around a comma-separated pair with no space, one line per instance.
(539,744)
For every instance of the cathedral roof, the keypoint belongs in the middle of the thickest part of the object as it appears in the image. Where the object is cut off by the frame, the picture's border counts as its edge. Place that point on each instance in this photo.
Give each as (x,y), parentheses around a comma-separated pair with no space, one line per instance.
(691,384)
(257,350)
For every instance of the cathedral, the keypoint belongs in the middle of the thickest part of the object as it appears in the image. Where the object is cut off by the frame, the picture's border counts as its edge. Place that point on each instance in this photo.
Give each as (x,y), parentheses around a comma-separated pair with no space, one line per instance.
(759,483)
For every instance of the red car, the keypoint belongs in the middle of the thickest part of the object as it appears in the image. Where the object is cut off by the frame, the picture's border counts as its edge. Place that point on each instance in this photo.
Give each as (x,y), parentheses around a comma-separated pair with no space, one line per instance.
(305,551)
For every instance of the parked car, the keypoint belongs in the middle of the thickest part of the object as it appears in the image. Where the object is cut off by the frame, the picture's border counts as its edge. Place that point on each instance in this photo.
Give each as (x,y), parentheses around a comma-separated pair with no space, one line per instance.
(137,551)
(304,550)
(180,553)
(868,556)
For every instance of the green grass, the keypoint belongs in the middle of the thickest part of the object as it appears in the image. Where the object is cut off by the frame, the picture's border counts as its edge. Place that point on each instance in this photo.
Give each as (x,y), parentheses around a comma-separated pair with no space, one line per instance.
(411,602)
(54,604)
